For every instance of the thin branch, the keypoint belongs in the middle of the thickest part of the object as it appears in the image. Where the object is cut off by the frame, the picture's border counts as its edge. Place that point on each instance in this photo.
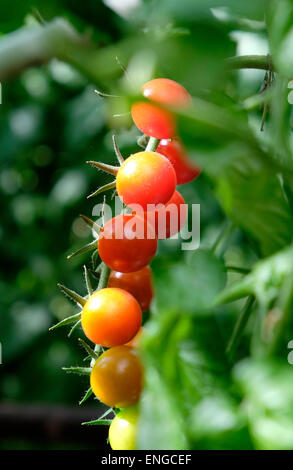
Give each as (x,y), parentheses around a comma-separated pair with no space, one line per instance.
(249,62)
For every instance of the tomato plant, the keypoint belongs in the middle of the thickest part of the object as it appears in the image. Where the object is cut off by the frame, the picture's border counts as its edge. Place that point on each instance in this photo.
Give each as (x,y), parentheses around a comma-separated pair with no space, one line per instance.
(116,378)
(138,283)
(217,339)
(146,178)
(111,317)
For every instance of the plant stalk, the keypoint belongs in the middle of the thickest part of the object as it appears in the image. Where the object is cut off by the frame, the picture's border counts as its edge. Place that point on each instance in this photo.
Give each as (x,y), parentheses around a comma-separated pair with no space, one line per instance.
(239,328)
(152,144)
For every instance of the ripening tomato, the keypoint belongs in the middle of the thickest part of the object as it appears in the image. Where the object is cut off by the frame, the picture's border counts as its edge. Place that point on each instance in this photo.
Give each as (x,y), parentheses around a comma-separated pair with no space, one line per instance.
(137,283)
(146,178)
(134,342)
(166,91)
(122,431)
(111,317)
(153,120)
(116,378)
(185,170)
(170,218)
(126,243)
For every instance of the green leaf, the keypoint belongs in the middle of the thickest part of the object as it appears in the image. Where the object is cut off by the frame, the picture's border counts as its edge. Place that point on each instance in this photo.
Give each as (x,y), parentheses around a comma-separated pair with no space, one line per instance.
(267,388)
(255,202)
(280,18)
(264,281)
(188,288)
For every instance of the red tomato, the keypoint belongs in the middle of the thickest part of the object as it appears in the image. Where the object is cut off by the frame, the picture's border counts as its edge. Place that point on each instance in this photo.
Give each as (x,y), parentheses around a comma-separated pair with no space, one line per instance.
(116,378)
(185,170)
(138,283)
(168,92)
(126,243)
(153,120)
(169,219)
(111,317)
(146,178)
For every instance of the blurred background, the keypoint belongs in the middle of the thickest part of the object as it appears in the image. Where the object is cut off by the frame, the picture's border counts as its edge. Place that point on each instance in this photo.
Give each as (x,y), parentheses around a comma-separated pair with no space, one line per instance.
(51,123)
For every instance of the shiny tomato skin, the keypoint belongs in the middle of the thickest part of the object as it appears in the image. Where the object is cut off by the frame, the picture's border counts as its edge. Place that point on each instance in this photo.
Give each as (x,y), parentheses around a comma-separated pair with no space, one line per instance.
(167,92)
(137,283)
(120,247)
(153,120)
(111,317)
(170,218)
(122,431)
(146,178)
(116,378)
(185,170)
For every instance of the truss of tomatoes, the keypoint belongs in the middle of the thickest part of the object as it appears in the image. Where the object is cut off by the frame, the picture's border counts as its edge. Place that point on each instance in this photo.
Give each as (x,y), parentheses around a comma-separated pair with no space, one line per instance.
(111,317)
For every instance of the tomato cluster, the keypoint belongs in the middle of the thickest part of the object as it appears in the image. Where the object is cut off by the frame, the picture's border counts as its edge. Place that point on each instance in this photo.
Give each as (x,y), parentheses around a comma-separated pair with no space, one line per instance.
(112,315)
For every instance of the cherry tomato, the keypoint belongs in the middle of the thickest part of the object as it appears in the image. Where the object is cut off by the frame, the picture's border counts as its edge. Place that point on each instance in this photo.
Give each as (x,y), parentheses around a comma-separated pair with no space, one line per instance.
(134,342)
(111,317)
(168,92)
(116,378)
(137,283)
(146,178)
(122,431)
(153,120)
(126,243)
(185,170)
(169,219)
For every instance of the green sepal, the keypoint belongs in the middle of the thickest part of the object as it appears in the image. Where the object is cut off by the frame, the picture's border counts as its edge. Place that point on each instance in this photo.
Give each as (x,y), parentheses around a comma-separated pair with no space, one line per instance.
(91,223)
(73,328)
(88,349)
(87,395)
(67,321)
(89,247)
(102,189)
(96,422)
(72,295)
(78,370)
(117,150)
(113,170)
(88,283)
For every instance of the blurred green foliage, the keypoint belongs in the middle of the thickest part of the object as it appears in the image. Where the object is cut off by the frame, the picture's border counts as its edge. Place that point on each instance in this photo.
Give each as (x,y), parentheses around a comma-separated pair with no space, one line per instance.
(51,122)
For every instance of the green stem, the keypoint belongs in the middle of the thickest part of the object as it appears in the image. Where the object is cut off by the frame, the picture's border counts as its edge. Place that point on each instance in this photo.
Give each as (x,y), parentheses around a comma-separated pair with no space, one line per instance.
(250,62)
(284,325)
(237,269)
(219,245)
(105,273)
(152,144)
(239,327)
